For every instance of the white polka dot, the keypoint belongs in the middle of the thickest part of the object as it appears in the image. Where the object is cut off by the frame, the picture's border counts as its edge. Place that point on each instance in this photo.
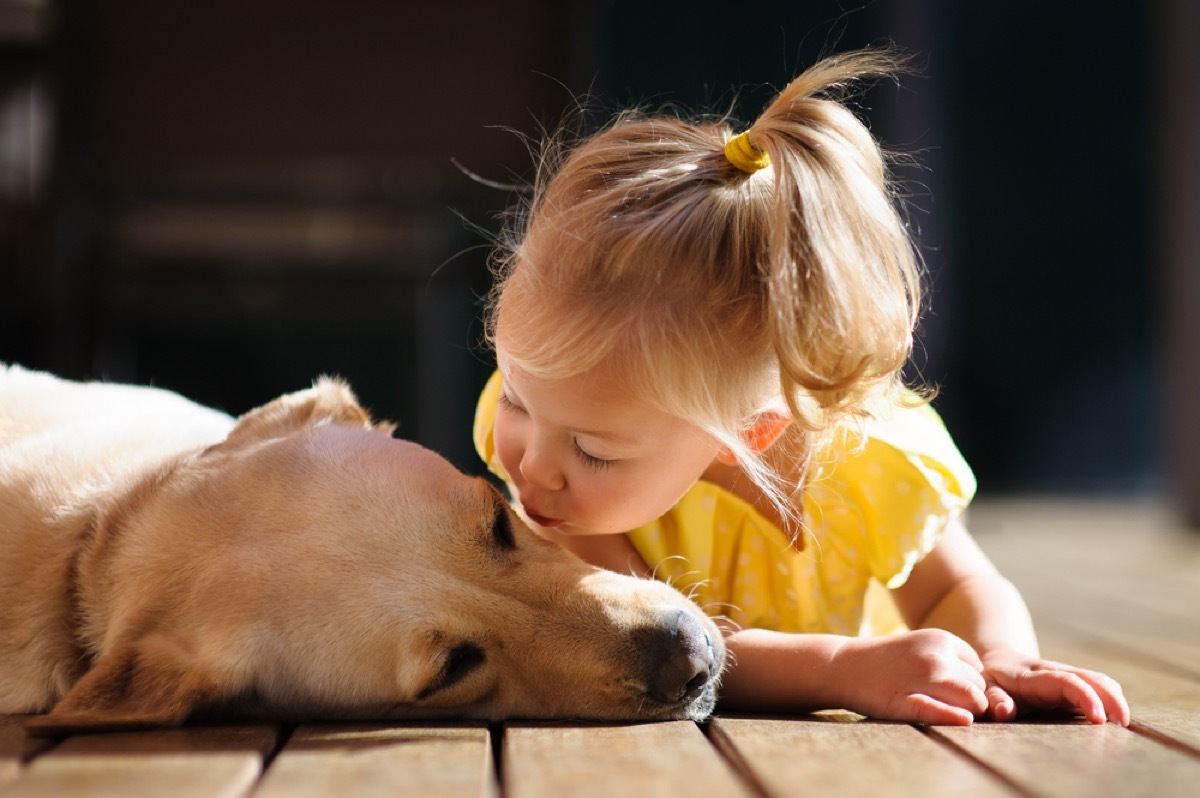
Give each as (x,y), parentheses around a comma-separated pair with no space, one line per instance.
(723,527)
(875,469)
(903,487)
(708,503)
(757,544)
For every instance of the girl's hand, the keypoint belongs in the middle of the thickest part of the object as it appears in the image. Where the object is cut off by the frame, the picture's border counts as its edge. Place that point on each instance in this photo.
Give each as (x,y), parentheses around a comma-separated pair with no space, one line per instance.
(925,676)
(1016,682)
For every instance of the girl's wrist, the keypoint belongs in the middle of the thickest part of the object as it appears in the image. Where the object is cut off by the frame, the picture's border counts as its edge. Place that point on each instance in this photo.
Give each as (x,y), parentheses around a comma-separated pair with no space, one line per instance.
(796,672)
(848,673)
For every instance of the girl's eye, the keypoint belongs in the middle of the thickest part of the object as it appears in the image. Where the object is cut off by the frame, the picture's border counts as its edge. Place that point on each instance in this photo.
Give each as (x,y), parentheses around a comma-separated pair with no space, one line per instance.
(591,460)
(502,400)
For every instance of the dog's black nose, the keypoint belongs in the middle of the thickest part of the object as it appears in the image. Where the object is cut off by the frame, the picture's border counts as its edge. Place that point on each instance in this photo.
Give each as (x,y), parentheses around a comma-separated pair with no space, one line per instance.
(680,659)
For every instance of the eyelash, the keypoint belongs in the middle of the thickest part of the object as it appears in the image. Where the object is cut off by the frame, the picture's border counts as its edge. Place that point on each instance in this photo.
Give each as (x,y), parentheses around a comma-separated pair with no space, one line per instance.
(503,401)
(589,460)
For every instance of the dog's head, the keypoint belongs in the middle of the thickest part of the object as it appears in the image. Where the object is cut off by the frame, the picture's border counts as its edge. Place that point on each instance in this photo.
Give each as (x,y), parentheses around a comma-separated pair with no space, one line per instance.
(313,566)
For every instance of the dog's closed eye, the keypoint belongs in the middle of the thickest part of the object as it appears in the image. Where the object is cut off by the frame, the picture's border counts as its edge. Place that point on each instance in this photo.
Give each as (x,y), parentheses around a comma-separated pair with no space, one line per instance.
(502,531)
(459,663)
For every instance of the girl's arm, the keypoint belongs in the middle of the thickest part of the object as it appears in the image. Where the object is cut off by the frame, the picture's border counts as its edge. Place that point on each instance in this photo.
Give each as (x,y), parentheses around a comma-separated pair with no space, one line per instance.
(929,676)
(956,588)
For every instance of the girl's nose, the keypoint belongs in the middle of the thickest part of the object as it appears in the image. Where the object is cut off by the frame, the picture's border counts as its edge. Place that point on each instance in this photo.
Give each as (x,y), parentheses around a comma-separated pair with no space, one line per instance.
(541,471)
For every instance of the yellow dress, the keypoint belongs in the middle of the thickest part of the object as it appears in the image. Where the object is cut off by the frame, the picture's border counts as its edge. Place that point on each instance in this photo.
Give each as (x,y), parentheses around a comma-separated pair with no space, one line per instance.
(871,513)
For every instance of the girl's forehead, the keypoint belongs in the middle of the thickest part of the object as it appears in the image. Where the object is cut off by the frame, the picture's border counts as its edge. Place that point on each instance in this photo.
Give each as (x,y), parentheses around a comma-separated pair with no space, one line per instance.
(598,387)
(594,402)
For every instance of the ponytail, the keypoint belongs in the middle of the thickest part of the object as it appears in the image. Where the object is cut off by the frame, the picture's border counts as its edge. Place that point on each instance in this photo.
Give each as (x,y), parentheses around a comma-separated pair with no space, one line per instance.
(724,275)
(843,279)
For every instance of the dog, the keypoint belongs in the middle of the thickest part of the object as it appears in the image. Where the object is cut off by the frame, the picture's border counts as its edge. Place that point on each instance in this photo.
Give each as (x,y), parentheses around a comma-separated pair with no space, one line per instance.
(160,561)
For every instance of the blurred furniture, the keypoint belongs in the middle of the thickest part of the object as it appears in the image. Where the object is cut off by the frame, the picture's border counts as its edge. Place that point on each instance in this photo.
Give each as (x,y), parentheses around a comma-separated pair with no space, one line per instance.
(242,196)
(1179,207)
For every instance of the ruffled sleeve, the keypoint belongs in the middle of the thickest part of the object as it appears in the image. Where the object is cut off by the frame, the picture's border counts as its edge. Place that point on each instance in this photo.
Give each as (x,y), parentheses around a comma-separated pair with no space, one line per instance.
(894,495)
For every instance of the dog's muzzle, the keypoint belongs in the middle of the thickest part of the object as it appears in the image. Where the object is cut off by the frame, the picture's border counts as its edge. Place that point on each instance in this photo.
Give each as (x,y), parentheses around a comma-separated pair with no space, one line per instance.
(682,664)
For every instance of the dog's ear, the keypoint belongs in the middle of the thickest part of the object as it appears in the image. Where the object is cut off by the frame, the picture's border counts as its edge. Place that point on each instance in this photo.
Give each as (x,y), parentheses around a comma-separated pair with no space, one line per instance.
(329,401)
(150,683)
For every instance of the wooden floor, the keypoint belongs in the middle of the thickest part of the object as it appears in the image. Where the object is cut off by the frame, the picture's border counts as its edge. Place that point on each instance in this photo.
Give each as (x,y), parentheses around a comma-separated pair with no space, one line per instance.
(1112,585)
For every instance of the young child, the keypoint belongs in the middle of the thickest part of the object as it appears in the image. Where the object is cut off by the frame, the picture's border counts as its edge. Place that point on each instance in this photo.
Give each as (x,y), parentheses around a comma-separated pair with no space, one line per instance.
(699,337)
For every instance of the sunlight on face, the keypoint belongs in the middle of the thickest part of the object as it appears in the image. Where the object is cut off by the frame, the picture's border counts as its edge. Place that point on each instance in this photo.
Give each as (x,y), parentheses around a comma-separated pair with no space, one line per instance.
(585,458)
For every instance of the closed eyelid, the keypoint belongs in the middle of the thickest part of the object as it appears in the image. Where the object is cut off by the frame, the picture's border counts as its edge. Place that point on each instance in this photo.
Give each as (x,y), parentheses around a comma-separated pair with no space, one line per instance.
(598,463)
(504,400)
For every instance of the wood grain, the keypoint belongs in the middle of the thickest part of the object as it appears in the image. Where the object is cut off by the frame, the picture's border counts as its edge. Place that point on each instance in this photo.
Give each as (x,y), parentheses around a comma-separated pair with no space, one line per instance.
(651,760)
(1163,704)
(199,762)
(847,758)
(1075,758)
(411,761)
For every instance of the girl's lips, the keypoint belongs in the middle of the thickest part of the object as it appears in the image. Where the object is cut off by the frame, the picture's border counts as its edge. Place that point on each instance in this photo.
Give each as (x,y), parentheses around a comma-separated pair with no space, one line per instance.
(542,520)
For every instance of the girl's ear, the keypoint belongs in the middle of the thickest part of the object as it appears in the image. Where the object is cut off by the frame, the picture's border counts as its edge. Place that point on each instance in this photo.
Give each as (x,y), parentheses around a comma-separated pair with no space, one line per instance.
(758,436)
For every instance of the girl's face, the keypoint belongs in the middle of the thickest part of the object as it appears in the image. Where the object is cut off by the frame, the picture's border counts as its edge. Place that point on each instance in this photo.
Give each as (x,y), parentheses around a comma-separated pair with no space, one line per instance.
(584,458)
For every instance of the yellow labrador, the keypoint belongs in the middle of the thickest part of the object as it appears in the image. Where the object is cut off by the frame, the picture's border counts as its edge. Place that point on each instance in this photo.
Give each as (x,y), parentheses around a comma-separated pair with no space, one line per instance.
(160,558)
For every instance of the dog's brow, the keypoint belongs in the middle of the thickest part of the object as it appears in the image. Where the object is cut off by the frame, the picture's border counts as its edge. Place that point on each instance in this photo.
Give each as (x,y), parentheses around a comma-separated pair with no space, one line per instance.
(502,532)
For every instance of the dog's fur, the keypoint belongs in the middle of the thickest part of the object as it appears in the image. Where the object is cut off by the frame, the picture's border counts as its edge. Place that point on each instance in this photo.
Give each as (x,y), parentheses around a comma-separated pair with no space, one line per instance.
(158,558)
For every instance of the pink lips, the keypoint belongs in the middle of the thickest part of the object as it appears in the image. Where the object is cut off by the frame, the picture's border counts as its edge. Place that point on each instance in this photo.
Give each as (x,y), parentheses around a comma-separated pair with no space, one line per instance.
(542,520)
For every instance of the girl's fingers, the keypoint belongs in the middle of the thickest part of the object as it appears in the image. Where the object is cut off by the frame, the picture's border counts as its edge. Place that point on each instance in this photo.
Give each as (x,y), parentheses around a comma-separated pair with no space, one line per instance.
(964,690)
(1081,696)
(1056,689)
(1110,694)
(1106,689)
(926,709)
(1001,706)
(968,654)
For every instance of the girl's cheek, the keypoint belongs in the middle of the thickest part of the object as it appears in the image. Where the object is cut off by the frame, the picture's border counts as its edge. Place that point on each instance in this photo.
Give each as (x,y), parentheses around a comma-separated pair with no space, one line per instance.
(507,448)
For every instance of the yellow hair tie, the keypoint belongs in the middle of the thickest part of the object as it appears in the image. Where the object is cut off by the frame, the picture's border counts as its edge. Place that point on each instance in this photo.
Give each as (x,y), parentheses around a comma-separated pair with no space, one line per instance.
(744,155)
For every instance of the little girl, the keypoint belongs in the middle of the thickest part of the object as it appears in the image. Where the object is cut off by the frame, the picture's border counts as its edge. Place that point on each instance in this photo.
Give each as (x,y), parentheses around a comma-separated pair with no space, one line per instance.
(699,337)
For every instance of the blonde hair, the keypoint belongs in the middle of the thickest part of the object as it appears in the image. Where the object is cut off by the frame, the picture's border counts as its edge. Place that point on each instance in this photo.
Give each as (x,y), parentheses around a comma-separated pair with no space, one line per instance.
(720,292)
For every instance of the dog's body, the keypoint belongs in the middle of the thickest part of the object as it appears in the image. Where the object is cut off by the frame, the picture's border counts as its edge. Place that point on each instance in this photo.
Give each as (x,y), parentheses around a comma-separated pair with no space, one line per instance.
(157,557)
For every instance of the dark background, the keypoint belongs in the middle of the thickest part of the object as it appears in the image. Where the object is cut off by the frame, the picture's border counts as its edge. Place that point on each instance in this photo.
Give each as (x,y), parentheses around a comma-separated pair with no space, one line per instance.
(229,197)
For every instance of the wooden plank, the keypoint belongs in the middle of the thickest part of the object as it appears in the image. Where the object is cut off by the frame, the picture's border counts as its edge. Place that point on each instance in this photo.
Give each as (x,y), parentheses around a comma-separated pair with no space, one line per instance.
(16,746)
(1163,704)
(1122,572)
(847,757)
(1092,539)
(198,762)
(1087,614)
(349,761)
(1075,758)
(650,759)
